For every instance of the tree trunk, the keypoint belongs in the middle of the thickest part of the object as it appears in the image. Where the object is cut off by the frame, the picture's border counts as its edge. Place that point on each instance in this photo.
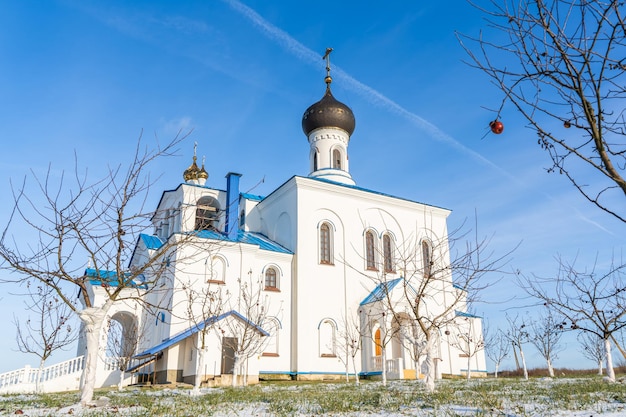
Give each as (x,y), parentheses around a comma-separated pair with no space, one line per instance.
(550,368)
(120,382)
(600,367)
(356,374)
(92,319)
(384,360)
(469,363)
(429,378)
(610,372)
(497,368)
(42,362)
(236,361)
(199,370)
(521,354)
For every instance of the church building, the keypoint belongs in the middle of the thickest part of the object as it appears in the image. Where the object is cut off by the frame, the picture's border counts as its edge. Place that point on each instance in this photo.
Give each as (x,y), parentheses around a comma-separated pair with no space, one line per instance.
(296,283)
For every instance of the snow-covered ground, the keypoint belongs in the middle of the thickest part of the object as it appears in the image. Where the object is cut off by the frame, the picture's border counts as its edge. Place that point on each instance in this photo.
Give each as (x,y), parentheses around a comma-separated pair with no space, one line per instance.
(539,397)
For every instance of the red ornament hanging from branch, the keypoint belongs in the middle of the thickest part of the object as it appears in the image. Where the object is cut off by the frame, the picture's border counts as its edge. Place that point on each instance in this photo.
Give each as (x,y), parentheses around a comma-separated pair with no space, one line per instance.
(496,126)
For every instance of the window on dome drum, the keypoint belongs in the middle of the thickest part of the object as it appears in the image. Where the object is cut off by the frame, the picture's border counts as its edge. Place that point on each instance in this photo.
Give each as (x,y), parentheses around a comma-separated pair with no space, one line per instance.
(426,259)
(207,214)
(271,281)
(325,244)
(336,159)
(387,254)
(370,252)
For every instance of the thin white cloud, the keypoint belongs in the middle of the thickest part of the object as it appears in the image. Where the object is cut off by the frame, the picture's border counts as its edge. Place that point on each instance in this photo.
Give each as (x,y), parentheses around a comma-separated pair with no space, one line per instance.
(307,55)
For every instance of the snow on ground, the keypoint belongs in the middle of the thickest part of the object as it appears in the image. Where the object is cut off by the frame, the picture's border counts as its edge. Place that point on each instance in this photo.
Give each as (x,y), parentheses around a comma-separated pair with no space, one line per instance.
(176,399)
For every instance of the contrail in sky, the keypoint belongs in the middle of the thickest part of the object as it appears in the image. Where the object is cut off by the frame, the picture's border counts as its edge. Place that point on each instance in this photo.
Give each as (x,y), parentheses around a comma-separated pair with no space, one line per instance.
(307,55)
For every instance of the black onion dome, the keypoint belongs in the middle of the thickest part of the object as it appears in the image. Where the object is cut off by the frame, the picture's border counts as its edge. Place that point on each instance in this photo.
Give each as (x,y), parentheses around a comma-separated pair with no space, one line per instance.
(328,112)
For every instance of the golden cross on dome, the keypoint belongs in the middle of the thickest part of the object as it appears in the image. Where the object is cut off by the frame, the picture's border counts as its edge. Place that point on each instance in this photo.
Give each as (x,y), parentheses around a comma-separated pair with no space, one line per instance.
(326,57)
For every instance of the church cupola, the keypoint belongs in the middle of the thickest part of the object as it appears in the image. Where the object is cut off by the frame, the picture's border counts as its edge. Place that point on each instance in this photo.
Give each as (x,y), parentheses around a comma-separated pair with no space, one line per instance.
(193,174)
(328,125)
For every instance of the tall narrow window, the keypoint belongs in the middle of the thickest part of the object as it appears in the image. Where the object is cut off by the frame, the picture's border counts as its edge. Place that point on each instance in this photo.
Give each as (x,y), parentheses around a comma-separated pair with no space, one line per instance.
(426,259)
(315,161)
(387,254)
(337,159)
(270,279)
(370,253)
(378,346)
(325,244)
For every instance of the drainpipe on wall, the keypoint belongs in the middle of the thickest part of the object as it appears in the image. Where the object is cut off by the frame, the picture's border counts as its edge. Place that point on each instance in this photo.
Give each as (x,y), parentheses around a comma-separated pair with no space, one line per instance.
(232,205)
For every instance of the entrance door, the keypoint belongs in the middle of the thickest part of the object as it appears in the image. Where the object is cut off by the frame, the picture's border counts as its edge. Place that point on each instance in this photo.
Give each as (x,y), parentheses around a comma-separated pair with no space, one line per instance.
(229,345)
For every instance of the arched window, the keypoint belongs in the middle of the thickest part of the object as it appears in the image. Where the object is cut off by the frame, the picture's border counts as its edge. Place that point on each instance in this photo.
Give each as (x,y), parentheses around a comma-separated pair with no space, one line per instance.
(325,244)
(388,254)
(215,270)
(272,326)
(327,332)
(271,281)
(336,159)
(378,345)
(315,161)
(426,259)
(207,213)
(370,251)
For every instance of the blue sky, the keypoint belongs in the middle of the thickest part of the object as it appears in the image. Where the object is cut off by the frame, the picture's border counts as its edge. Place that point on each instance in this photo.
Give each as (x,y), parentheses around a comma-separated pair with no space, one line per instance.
(89,77)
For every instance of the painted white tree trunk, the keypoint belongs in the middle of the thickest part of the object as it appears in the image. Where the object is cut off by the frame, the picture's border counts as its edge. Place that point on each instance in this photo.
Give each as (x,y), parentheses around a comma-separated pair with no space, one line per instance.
(236,361)
(39,374)
(120,382)
(521,354)
(92,318)
(199,370)
(600,367)
(610,372)
(356,374)
(469,363)
(550,368)
(384,360)
(429,377)
(496,371)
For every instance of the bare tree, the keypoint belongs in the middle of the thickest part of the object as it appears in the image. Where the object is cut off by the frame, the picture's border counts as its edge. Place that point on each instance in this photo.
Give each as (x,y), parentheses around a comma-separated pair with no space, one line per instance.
(81,219)
(518,335)
(468,340)
(375,319)
(48,331)
(248,336)
(545,335)
(440,276)
(497,348)
(204,305)
(592,348)
(349,333)
(560,63)
(122,343)
(589,301)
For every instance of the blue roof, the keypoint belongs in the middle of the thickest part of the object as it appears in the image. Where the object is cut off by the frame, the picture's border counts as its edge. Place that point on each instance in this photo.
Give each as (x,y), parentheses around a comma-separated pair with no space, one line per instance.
(381,291)
(254,197)
(463,314)
(193,330)
(250,238)
(109,278)
(151,242)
